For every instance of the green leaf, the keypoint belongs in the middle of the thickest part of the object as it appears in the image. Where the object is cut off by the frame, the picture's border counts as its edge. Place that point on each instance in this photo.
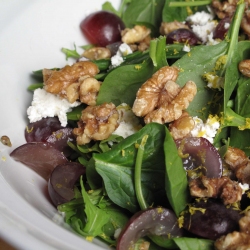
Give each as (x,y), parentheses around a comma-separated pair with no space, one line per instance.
(71,53)
(185,243)
(96,218)
(192,67)
(121,84)
(157,52)
(176,182)
(144,11)
(117,168)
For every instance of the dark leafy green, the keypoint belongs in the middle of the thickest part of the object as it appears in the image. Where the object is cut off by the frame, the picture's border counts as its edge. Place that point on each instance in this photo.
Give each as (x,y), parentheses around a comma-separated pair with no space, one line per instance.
(176,182)
(117,167)
(185,243)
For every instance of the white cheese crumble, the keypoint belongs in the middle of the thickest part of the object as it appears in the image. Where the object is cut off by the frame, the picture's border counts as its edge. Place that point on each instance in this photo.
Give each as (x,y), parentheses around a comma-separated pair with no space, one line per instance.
(45,104)
(208,129)
(202,24)
(123,50)
(186,48)
(244,187)
(128,121)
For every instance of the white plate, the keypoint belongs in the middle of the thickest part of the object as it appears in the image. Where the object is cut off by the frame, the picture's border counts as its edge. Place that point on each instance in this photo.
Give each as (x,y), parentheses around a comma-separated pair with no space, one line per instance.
(32,34)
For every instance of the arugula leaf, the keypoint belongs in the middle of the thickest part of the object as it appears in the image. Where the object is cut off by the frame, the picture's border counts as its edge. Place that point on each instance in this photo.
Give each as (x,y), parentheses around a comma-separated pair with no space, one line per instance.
(176,182)
(117,168)
(95,217)
(71,53)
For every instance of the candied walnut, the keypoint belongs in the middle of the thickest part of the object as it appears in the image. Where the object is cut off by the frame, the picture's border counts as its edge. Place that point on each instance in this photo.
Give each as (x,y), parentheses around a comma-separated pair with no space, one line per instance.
(182,127)
(135,35)
(239,163)
(226,189)
(57,82)
(227,9)
(89,88)
(166,28)
(244,66)
(169,112)
(96,123)
(236,240)
(144,44)
(97,53)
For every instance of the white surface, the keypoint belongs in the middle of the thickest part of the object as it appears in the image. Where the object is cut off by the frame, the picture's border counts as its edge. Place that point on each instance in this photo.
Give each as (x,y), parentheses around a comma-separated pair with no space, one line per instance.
(32,34)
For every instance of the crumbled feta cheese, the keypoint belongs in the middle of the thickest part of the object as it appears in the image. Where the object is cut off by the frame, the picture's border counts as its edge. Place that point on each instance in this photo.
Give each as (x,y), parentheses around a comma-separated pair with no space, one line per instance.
(226,26)
(128,121)
(186,48)
(202,24)
(200,18)
(208,129)
(123,50)
(45,104)
(244,187)
(214,81)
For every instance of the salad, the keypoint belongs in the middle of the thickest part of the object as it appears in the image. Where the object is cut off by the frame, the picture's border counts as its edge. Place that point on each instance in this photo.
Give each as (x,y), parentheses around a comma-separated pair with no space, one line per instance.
(142,139)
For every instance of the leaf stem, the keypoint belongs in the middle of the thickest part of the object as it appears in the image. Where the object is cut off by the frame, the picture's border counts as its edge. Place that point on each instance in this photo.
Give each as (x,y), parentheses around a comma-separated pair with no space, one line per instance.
(138,163)
(189,4)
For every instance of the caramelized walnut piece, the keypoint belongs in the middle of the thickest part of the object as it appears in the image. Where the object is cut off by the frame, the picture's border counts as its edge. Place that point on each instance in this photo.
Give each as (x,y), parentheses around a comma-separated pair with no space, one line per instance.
(97,53)
(225,9)
(239,163)
(236,240)
(135,35)
(89,88)
(169,112)
(244,67)
(182,127)
(166,28)
(96,123)
(226,189)
(58,82)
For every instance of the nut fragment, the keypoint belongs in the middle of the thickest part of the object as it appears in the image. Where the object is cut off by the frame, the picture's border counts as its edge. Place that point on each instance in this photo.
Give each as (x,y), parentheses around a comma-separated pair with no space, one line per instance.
(58,82)
(135,35)
(239,163)
(166,28)
(89,88)
(236,240)
(182,127)
(6,140)
(226,189)
(97,53)
(97,123)
(244,67)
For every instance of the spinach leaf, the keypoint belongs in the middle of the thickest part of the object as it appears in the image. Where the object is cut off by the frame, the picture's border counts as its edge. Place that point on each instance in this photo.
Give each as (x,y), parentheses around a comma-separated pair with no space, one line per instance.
(176,182)
(121,84)
(185,243)
(144,11)
(199,60)
(117,168)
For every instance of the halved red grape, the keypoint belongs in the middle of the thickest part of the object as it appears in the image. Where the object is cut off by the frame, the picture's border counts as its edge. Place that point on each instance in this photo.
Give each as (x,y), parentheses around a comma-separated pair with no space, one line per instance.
(102,28)
(198,152)
(211,219)
(222,28)
(39,156)
(60,138)
(62,180)
(40,130)
(153,221)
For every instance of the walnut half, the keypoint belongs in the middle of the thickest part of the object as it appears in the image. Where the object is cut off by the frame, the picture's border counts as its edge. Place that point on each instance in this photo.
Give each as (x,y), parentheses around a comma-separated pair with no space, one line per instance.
(96,123)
